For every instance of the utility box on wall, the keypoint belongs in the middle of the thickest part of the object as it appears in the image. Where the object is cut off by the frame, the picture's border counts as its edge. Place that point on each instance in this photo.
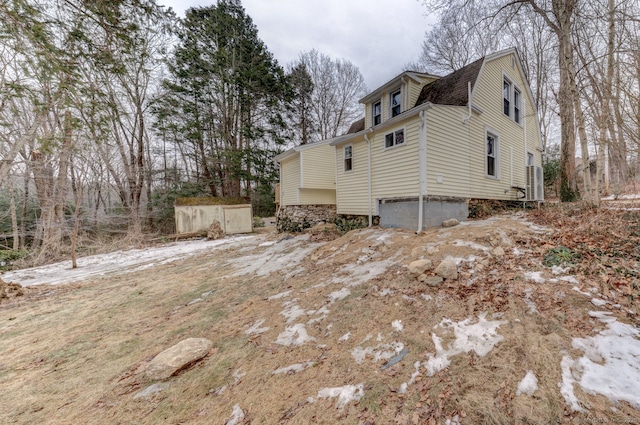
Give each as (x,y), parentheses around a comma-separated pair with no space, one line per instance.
(196,215)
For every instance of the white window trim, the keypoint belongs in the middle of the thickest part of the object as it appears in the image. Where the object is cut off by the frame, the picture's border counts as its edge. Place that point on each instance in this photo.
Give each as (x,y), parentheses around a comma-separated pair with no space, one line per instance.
(496,148)
(344,158)
(533,157)
(395,145)
(512,101)
(391,93)
(373,116)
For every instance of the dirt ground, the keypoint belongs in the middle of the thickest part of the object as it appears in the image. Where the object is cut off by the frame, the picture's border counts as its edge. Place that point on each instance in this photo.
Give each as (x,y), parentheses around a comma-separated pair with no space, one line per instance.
(303,327)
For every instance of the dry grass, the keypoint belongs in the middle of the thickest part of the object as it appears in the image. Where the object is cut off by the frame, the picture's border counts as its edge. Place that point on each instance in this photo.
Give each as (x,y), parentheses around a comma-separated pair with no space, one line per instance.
(76,353)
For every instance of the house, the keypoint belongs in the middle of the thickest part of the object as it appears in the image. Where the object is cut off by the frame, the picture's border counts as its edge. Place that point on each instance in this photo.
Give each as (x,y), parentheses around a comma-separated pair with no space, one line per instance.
(427,145)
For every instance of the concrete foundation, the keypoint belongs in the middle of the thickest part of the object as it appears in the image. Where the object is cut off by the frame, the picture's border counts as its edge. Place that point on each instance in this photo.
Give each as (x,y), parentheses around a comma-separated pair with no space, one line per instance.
(403,212)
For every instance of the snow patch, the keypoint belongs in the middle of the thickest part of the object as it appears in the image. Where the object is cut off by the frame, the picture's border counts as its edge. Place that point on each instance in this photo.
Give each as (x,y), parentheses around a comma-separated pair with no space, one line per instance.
(344,394)
(414,375)
(280,295)
(379,352)
(534,276)
(339,295)
(292,311)
(610,364)
(397,325)
(116,263)
(480,337)
(256,329)
(237,416)
(345,337)
(528,385)
(294,335)
(598,302)
(471,245)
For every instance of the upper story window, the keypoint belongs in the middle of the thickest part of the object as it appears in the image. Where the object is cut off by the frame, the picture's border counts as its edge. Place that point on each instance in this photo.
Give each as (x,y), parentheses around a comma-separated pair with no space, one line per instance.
(517,100)
(512,101)
(394,138)
(377,112)
(396,103)
(348,158)
(506,95)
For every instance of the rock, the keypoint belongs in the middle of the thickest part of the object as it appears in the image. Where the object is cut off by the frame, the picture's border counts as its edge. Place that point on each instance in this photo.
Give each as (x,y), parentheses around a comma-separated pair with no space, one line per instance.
(432,250)
(418,267)
(431,280)
(447,269)
(450,223)
(215,231)
(178,357)
(498,251)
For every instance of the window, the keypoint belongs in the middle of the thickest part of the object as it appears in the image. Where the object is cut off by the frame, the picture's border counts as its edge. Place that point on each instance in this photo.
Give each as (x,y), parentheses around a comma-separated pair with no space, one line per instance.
(377,113)
(348,158)
(530,160)
(506,95)
(492,155)
(512,100)
(394,139)
(396,102)
(517,96)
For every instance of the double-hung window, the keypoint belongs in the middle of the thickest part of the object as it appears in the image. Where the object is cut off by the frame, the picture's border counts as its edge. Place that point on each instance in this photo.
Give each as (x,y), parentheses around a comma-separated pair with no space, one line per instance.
(394,138)
(511,101)
(517,99)
(492,155)
(396,103)
(377,112)
(506,95)
(348,158)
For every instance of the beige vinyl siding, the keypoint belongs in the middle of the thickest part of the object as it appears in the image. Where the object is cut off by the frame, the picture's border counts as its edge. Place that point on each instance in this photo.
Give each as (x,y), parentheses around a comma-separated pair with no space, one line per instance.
(395,170)
(317,197)
(414,89)
(447,152)
(352,194)
(511,152)
(317,167)
(290,169)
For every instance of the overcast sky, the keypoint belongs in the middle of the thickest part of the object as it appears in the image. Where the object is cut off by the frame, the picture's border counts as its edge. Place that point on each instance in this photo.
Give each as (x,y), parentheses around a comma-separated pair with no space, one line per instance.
(378,36)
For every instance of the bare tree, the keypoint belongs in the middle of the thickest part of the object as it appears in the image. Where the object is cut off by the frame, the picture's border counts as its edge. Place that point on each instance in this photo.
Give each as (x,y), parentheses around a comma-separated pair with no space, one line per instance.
(337,86)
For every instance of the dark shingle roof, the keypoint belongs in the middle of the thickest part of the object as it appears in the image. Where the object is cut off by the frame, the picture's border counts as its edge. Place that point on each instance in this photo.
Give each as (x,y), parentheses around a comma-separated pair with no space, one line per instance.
(451,89)
(356,126)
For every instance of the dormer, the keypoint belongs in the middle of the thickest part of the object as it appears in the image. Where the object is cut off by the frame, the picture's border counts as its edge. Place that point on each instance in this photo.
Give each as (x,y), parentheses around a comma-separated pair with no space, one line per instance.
(395,97)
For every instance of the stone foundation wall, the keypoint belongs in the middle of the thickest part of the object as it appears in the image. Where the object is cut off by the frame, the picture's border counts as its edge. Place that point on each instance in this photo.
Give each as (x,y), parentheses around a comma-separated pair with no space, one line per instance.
(296,218)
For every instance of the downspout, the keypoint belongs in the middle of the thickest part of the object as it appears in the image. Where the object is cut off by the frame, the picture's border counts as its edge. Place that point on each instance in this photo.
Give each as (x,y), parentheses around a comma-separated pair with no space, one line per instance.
(423,167)
(465,119)
(366,138)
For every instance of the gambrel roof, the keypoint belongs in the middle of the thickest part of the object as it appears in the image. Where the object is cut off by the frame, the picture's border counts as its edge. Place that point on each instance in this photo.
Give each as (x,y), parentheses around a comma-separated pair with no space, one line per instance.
(451,89)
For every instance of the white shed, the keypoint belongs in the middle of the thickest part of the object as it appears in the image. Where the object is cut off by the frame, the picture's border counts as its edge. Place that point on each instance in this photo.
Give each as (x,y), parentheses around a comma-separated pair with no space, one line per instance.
(196,215)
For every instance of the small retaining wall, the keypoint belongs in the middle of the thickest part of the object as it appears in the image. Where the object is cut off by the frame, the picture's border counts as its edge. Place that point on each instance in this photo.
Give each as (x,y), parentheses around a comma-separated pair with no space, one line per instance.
(403,212)
(296,218)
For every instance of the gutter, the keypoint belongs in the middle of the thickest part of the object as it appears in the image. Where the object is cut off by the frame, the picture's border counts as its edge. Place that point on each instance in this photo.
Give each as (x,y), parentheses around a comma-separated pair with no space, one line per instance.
(465,119)
(366,138)
(423,166)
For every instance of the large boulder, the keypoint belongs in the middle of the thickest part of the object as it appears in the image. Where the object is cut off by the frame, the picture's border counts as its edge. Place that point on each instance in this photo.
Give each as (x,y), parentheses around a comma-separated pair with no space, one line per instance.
(176,358)
(447,269)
